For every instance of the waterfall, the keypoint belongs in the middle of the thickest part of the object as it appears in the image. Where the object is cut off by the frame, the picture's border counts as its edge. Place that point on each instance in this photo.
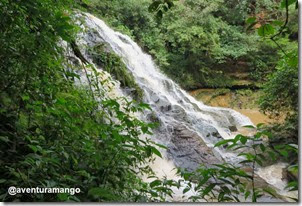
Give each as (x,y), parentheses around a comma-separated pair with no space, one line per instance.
(176,110)
(188,128)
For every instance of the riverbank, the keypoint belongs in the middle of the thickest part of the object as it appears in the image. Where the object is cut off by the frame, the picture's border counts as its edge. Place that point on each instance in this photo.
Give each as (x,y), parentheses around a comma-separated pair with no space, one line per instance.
(243,101)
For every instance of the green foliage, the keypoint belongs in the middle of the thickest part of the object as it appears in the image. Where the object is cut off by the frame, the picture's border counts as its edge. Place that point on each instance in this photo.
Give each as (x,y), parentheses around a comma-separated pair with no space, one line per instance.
(193,40)
(277,99)
(160,7)
(56,134)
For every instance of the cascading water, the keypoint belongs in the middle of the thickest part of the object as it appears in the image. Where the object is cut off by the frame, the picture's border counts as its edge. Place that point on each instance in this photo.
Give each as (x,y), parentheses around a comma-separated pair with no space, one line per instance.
(187,127)
(176,110)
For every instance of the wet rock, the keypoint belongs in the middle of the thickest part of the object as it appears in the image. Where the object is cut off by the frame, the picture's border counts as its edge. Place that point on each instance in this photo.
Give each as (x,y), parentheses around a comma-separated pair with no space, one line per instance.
(154,98)
(233,128)
(188,150)
(216,134)
(153,117)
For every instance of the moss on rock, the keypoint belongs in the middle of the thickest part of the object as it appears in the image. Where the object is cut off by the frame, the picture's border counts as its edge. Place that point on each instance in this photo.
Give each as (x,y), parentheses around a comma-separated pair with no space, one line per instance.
(113,64)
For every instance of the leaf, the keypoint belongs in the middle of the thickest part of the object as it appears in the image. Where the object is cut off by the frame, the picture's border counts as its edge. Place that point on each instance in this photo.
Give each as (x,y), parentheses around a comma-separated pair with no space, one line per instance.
(249,126)
(270,191)
(185,190)
(247,194)
(262,147)
(145,106)
(266,30)
(208,189)
(33,147)
(221,196)
(222,142)
(144,129)
(155,151)
(232,145)
(293,61)
(254,197)
(290,2)
(249,156)
(258,161)
(292,185)
(161,146)
(155,183)
(272,155)
(237,138)
(251,20)
(284,153)
(268,134)
(243,139)
(186,176)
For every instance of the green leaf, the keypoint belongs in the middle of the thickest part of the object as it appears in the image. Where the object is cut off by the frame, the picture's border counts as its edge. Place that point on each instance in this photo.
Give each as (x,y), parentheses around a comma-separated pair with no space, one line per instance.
(247,194)
(33,147)
(290,2)
(208,189)
(292,185)
(155,151)
(284,153)
(266,30)
(185,190)
(232,145)
(186,176)
(273,155)
(270,191)
(254,197)
(222,142)
(144,129)
(268,134)
(251,20)
(145,106)
(155,183)
(262,147)
(161,146)
(243,139)
(249,126)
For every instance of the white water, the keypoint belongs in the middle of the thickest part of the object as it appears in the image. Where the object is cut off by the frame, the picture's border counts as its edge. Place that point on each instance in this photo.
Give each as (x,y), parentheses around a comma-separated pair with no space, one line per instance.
(163,94)
(173,107)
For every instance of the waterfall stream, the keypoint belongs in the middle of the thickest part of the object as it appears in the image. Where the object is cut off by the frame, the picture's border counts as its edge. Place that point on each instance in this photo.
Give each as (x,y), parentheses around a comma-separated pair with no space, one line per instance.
(188,128)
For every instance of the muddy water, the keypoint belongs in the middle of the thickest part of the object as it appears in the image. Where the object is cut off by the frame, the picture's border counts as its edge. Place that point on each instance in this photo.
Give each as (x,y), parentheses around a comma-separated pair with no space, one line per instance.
(243,101)
(255,115)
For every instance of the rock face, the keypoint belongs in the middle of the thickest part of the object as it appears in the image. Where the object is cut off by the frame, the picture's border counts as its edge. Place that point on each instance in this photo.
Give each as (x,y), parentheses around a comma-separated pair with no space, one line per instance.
(188,150)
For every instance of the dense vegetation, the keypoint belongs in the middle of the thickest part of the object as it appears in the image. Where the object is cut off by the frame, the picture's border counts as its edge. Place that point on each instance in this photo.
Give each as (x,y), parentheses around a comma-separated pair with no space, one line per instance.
(195,42)
(56,134)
